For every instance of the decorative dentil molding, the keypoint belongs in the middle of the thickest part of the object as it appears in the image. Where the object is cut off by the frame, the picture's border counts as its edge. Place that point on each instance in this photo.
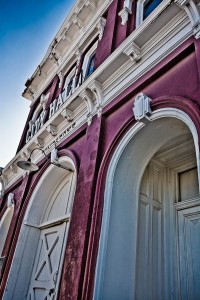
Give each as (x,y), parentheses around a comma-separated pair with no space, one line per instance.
(124,13)
(101,26)
(133,51)
(193,11)
(52,129)
(67,114)
(142,108)
(10,200)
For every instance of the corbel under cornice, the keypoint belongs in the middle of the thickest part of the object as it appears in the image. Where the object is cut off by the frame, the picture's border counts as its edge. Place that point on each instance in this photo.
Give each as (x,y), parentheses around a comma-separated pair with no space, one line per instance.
(133,51)
(52,129)
(193,12)
(67,114)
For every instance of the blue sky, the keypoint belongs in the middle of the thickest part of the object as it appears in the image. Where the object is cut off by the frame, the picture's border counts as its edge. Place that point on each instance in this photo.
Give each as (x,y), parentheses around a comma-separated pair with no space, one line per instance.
(26,29)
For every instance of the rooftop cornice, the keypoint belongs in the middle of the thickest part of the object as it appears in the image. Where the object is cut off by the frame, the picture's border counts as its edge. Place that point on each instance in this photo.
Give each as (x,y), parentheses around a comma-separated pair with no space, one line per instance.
(69,38)
(103,86)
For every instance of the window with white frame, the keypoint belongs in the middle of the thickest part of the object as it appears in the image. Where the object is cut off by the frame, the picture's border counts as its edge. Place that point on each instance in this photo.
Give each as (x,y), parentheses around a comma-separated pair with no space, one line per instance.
(144,9)
(70,82)
(88,62)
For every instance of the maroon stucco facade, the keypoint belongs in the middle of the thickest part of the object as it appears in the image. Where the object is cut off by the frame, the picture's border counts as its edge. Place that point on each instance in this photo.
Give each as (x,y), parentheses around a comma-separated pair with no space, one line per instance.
(174,82)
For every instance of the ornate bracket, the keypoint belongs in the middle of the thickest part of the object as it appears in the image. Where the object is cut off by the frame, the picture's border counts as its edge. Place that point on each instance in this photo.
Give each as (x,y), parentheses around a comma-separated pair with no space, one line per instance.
(78,57)
(142,107)
(87,96)
(43,100)
(25,155)
(78,23)
(192,10)
(124,13)
(41,73)
(3,181)
(67,114)
(96,89)
(133,51)
(100,26)
(54,58)
(66,37)
(91,4)
(52,129)
(39,142)
(61,78)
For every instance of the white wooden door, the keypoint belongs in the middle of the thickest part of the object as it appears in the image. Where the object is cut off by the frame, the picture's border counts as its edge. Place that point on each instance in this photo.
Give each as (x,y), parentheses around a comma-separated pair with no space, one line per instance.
(189,252)
(168,245)
(43,282)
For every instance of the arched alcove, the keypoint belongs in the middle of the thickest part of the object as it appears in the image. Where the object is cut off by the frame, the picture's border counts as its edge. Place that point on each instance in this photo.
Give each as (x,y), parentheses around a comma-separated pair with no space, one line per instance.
(117,275)
(37,263)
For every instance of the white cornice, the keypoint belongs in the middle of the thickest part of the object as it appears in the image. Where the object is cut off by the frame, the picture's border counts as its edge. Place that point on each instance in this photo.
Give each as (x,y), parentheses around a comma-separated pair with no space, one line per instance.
(69,38)
(103,86)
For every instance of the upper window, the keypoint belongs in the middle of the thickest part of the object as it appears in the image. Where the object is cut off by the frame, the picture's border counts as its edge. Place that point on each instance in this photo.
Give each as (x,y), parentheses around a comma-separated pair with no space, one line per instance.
(90,67)
(69,85)
(144,9)
(149,6)
(88,62)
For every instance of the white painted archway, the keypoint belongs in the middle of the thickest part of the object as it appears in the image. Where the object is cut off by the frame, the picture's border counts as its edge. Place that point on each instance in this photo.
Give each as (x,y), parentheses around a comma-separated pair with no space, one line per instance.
(36,268)
(116,264)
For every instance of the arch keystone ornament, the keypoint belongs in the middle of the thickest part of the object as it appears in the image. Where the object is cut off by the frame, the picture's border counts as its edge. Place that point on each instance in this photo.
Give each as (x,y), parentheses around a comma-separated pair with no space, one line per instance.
(142,108)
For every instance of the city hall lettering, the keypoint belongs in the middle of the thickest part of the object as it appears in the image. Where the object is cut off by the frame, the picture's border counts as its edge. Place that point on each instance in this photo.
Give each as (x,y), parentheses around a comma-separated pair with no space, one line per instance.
(36,124)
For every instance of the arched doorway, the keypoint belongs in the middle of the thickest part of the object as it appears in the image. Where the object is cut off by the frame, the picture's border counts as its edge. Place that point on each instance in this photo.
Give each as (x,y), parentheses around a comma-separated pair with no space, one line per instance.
(168,224)
(142,248)
(5,222)
(35,275)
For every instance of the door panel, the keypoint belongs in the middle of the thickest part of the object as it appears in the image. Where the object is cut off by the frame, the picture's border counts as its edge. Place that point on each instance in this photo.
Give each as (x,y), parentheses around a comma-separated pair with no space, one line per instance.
(148,270)
(47,263)
(189,252)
